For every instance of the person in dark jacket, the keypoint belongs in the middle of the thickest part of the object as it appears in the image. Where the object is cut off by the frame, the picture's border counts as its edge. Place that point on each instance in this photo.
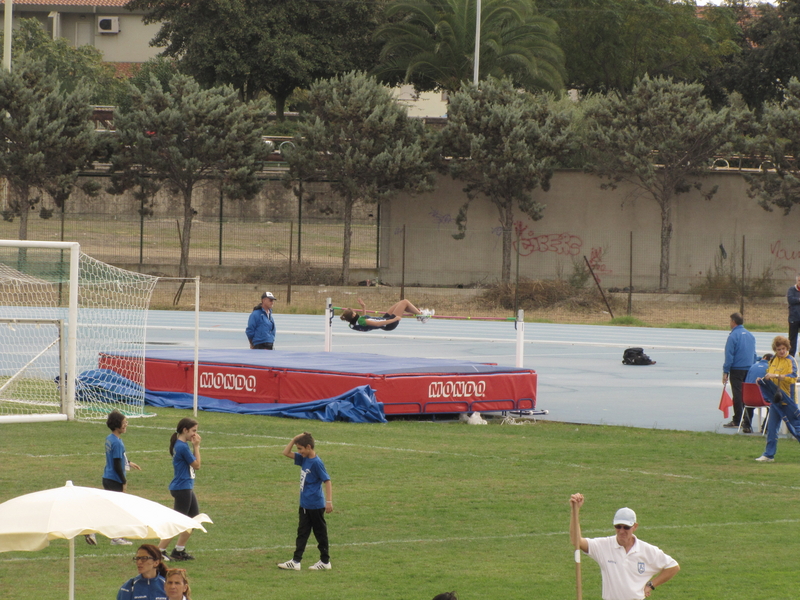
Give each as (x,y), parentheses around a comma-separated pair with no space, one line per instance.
(793,298)
(260,326)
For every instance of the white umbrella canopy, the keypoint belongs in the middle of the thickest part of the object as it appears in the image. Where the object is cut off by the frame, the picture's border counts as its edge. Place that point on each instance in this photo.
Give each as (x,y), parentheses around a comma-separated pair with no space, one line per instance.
(31,521)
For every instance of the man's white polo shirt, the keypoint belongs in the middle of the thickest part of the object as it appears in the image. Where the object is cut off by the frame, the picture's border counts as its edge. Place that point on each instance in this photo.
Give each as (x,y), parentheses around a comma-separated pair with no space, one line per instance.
(625,573)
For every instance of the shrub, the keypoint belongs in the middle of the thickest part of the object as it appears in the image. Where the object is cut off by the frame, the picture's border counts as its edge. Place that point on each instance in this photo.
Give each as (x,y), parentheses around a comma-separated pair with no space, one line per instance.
(545,293)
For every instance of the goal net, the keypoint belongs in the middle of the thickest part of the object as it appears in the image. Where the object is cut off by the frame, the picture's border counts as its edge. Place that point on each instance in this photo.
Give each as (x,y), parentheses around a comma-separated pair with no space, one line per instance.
(60,310)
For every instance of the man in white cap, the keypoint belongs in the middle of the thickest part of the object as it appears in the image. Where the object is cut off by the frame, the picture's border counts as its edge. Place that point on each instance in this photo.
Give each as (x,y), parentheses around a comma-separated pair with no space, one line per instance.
(260,326)
(631,569)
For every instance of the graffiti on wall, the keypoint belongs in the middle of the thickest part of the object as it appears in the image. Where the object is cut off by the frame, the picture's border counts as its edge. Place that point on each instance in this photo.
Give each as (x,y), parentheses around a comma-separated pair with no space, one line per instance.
(564,244)
(778,251)
(439,218)
(596,261)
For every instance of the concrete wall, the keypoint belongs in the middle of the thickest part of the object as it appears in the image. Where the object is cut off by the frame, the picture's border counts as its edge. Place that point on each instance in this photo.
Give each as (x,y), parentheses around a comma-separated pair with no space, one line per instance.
(581,220)
(275,202)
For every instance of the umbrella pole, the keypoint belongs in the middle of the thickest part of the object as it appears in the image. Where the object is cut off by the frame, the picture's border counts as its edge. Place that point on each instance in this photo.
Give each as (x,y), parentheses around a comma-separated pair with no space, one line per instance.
(72,569)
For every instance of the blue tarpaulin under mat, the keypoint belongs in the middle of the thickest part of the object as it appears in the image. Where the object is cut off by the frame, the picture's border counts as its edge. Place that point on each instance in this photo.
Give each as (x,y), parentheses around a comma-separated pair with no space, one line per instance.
(358,405)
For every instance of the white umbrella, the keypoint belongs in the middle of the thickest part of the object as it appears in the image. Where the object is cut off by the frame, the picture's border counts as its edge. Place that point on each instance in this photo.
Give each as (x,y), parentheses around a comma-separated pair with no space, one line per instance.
(29,522)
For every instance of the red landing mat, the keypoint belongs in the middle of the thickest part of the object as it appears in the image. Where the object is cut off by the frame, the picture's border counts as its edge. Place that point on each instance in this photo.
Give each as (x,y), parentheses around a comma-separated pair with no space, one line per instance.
(405,386)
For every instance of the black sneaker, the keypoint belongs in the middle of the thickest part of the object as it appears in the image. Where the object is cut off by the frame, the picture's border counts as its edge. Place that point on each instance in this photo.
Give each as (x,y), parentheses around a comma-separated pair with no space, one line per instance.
(731,425)
(180,555)
(164,556)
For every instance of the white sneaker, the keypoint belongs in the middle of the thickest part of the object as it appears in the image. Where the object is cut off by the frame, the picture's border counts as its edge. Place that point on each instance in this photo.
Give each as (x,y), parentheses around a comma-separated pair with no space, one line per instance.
(289,565)
(320,566)
(121,542)
(765,459)
(425,314)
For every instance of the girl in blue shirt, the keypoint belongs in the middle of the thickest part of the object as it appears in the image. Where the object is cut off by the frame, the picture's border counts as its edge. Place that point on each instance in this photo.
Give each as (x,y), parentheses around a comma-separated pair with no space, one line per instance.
(185,461)
(117,465)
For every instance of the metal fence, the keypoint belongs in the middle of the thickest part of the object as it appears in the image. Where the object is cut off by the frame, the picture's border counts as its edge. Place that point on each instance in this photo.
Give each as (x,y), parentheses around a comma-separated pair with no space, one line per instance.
(709,278)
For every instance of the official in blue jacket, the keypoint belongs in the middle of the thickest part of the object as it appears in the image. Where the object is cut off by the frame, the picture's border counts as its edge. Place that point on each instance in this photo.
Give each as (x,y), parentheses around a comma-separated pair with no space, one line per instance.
(261,326)
(757,371)
(740,355)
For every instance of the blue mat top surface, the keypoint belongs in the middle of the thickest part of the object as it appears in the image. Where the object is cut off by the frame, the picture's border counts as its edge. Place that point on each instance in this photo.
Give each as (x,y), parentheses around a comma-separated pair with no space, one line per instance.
(328,361)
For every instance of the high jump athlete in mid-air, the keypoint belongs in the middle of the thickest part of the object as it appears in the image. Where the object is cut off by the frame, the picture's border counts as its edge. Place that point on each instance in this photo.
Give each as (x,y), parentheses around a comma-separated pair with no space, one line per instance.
(389,321)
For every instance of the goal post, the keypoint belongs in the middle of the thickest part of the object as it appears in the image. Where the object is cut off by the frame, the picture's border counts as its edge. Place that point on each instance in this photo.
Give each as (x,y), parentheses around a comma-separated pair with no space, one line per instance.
(60,310)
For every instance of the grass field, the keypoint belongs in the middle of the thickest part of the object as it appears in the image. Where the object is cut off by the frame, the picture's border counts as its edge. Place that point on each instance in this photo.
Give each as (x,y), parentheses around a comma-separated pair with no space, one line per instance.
(427,507)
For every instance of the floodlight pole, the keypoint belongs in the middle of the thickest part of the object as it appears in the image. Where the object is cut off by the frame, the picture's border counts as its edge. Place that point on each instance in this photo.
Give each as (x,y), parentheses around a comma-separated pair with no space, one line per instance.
(476,60)
(8,15)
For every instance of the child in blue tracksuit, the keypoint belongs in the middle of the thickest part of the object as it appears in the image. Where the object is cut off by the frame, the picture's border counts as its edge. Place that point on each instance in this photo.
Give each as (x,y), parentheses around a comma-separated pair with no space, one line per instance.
(313,504)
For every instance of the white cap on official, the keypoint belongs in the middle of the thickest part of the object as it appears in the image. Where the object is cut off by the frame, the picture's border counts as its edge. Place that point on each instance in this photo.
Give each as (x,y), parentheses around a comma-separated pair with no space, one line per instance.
(625,516)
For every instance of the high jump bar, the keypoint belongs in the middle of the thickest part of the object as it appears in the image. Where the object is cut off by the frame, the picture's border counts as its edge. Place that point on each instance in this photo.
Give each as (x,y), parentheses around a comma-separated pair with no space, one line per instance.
(519,325)
(451,317)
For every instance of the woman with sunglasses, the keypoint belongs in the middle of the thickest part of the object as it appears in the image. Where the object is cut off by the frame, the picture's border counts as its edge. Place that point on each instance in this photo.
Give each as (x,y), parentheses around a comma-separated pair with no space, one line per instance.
(177,586)
(149,583)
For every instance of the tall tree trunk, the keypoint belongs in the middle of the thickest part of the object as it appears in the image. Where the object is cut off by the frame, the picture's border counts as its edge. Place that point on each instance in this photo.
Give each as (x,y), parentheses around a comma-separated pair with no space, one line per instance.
(186,236)
(666,238)
(24,204)
(507,215)
(348,238)
(280,106)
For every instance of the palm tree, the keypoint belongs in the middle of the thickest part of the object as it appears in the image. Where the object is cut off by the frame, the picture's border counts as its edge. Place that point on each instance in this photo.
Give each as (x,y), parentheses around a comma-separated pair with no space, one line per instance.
(431,43)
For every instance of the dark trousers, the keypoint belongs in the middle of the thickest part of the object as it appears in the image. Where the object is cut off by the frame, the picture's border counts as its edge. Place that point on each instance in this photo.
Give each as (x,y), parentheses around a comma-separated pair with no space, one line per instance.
(793,329)
(264,346)
(312,519)
(112,485)
(737,378)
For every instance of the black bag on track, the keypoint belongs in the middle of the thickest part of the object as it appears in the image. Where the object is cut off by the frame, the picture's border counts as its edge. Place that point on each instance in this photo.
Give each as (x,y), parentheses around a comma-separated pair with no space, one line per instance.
(636,356)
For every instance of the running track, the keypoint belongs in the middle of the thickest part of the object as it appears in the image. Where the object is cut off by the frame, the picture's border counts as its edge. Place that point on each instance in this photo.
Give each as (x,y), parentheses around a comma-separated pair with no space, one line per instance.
(581,375)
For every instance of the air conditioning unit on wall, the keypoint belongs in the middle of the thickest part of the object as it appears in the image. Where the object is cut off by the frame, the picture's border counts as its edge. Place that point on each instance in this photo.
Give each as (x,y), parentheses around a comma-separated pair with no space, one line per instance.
(107,24)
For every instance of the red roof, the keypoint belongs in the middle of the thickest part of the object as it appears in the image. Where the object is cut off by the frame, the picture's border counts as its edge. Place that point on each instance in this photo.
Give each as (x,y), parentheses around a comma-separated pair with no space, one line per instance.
(87,3)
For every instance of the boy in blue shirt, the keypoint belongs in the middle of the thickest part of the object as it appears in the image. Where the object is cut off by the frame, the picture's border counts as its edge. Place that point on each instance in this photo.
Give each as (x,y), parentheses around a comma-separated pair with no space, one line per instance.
(313,504)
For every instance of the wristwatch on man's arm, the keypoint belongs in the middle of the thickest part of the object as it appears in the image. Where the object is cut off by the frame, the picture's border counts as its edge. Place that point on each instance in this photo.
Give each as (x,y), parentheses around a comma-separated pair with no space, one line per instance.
(650,585)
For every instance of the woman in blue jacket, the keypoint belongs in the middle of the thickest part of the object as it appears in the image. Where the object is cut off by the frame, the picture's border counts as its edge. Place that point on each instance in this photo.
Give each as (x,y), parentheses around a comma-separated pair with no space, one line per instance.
(149,583)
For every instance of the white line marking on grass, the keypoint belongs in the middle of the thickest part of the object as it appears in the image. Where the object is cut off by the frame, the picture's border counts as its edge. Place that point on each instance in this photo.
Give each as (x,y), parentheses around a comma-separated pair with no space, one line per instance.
(444,540)
(417,451)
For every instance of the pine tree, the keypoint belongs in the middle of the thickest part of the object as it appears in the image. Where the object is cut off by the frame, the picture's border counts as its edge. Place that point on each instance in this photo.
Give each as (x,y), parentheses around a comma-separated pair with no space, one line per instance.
(46,133)
(661,139)
(504,144)
(364,143)
(184,138)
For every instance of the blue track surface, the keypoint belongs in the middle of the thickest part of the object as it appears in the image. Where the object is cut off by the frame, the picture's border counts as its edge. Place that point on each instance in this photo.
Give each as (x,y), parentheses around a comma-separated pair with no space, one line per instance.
(581,375)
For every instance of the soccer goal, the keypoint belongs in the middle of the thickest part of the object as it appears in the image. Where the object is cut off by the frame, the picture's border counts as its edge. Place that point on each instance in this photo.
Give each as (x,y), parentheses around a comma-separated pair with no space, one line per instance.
(60,310)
